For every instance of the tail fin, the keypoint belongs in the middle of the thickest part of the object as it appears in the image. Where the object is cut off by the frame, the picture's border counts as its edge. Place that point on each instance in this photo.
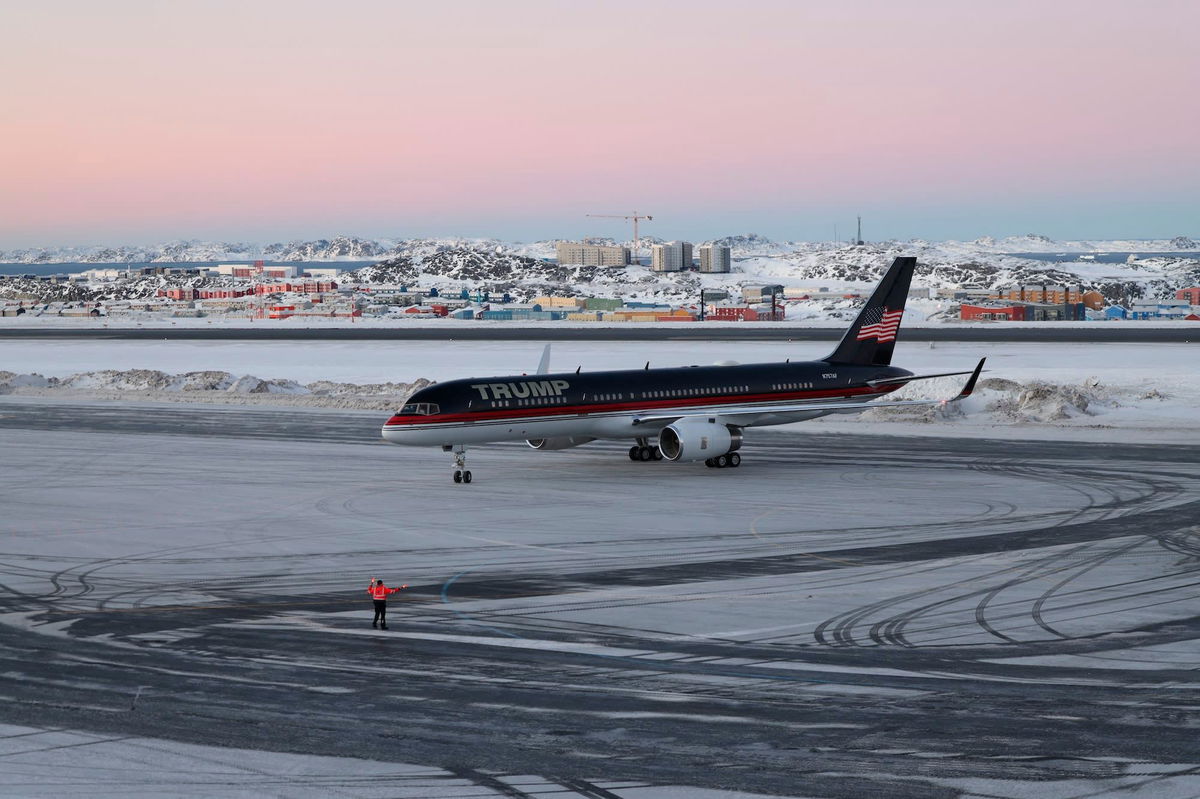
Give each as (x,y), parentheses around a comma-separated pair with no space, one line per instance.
(872,337)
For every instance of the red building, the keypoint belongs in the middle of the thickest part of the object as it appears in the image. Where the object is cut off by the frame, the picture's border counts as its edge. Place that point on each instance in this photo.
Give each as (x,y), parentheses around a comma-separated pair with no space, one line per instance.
(741,313)
(187,293)
(221,293)
(1191,295)
(297,287)
(436,309)
(1010,313)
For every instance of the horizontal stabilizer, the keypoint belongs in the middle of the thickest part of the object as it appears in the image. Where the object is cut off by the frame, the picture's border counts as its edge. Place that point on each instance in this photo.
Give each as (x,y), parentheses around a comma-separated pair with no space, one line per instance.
(888,381)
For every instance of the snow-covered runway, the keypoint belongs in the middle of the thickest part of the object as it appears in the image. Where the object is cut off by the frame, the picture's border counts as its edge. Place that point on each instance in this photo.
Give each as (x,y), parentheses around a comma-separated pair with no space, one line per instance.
(842,616)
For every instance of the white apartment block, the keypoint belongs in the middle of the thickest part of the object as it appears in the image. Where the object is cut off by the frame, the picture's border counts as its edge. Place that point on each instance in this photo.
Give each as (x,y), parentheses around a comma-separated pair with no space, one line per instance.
(591,254)
(714,258)
(671,257)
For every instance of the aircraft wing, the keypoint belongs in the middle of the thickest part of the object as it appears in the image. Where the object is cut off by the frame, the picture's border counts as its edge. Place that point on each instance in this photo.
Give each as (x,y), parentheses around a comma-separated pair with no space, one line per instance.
(799,407)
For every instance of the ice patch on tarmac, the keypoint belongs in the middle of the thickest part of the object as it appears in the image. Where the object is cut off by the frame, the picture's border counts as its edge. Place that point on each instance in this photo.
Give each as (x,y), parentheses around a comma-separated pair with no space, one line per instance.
(209,386)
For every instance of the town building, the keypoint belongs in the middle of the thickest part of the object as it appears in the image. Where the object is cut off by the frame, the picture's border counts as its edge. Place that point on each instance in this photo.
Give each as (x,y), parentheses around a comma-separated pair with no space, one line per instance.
(189,293)
(296,287)
(1043,293)
(991,312)
(715,258)
(763,293)
(674,256)
(603,303)
(548,302)
(104,275)
(255,270)
(742,313)
(1159,309)
(966,294)
(1023,312)
(591,254)
(1192,295)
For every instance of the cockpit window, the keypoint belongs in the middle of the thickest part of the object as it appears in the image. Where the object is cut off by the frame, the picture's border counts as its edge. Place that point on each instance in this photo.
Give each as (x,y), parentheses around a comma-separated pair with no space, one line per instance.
(420,409)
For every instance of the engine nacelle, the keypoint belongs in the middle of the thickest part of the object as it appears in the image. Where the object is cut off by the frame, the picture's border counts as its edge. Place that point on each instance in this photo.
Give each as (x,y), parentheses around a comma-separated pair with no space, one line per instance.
(698,439)
(563,442)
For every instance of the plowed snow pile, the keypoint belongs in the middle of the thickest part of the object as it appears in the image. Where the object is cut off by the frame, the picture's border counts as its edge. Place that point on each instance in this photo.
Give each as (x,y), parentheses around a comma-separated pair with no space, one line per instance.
(209,386)
(1001,401)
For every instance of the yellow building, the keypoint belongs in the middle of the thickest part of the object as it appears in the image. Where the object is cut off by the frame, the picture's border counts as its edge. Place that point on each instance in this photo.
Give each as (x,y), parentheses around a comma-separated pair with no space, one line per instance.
(559,302)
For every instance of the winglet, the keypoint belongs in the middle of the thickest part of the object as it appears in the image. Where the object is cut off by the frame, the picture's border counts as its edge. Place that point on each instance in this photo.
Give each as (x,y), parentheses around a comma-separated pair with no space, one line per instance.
(544,363)
(971,381)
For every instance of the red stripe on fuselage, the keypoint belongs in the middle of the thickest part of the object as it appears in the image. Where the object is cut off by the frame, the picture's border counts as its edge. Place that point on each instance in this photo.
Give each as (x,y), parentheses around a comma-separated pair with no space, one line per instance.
(636,405)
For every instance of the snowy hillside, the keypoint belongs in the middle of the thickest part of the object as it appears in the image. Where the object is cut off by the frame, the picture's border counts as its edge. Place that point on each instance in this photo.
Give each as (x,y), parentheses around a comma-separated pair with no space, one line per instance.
(793,265)
(527,270)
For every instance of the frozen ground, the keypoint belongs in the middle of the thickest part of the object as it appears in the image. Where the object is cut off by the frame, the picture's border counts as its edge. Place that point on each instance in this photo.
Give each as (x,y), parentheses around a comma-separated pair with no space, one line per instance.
(42,762)
(1102,391)
(843,616)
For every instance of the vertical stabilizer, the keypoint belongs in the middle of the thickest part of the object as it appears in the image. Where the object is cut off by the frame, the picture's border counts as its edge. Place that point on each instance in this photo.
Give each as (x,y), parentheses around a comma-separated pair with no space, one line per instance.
(872,337)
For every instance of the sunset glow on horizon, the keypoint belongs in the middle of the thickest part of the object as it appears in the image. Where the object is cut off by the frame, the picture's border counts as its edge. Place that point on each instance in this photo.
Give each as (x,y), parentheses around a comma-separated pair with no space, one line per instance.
(142,121)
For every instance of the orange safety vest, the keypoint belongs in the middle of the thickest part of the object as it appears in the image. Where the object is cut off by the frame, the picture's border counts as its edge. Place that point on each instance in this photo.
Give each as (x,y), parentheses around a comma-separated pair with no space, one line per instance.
(381,591)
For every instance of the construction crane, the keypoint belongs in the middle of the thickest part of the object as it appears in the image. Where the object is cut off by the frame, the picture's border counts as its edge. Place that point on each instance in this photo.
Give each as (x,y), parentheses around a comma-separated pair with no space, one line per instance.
(636,217)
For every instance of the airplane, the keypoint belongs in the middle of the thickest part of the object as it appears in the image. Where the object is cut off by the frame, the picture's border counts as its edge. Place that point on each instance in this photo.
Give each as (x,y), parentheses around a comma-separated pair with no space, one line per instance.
(684,414)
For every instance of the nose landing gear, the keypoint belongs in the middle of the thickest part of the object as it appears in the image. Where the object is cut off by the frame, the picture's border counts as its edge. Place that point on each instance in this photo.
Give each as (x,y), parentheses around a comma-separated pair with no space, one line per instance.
(461,473)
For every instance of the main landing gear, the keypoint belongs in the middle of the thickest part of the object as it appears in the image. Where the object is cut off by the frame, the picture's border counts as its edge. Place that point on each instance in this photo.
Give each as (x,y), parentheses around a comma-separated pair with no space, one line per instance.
(732,460)
(461,473)
(642,451)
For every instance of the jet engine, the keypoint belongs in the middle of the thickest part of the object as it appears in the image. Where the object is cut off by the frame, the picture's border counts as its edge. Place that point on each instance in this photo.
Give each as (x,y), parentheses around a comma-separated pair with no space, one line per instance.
(563,442)
(698,440)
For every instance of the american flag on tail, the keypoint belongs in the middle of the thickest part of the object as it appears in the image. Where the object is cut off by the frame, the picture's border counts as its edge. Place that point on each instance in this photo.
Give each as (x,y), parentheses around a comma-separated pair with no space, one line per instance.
(880,323)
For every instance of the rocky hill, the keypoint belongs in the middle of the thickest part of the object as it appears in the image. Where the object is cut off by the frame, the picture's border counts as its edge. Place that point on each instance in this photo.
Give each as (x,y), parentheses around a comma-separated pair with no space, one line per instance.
(792,265)
(528,269)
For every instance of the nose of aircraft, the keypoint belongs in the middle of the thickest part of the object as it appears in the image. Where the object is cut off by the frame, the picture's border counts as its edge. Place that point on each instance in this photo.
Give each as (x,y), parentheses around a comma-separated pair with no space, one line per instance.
(393,430)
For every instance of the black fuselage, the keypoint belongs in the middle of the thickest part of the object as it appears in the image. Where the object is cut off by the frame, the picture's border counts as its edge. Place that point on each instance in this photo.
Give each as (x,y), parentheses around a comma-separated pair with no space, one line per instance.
(494,401)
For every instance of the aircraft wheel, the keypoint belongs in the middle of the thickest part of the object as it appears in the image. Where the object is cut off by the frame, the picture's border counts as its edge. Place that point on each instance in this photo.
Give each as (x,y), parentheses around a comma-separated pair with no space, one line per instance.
(466,477)
(633,453)
(458,476)
(709,463)
(721,461)
(735,460)
(656,453)
(644,454)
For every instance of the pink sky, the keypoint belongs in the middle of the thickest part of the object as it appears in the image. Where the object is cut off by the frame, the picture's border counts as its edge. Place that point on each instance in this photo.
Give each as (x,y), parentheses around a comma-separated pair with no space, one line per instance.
(140,121)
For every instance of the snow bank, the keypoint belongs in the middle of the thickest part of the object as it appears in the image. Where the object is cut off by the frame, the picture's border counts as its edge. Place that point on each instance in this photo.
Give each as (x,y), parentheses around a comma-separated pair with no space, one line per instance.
(208,386)
(1001,403)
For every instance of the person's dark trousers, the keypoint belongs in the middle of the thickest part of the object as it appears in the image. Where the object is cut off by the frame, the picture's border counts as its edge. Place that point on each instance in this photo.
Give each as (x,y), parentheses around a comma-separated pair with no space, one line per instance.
(380,613)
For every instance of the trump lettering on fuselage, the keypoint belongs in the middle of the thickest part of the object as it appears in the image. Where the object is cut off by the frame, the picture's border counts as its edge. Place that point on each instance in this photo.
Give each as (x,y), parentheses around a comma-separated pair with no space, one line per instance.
(531,388)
